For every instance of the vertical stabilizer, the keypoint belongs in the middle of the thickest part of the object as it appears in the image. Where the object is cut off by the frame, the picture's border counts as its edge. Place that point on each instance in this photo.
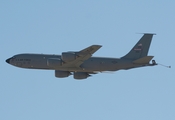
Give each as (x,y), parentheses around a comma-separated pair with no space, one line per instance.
(141,48)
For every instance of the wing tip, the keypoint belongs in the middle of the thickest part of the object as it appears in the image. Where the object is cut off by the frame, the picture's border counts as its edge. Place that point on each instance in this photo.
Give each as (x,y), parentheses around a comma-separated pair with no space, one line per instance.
(99,46)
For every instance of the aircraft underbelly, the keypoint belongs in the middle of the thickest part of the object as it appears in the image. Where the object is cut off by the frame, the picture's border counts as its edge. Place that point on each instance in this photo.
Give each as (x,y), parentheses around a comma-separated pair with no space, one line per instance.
(99,66)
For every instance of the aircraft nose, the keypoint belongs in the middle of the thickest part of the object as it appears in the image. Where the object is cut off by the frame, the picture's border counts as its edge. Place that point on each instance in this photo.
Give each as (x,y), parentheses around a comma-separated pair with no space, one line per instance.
(8,60)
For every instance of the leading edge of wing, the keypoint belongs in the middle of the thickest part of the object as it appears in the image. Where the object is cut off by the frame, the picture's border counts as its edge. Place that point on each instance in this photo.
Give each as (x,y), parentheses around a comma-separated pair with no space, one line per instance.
(89,50)
(82,56)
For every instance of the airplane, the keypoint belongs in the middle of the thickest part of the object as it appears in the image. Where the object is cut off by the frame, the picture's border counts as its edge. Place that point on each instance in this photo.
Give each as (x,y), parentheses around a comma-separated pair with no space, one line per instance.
(81,64)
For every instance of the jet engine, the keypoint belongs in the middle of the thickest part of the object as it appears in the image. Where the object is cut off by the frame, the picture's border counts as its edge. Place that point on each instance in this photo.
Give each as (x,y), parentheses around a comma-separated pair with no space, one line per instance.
(61,74)
(80,75)
(53,62)
(68,56)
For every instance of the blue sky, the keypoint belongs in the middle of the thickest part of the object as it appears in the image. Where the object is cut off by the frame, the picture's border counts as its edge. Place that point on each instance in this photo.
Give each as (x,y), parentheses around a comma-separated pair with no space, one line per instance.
(66,25)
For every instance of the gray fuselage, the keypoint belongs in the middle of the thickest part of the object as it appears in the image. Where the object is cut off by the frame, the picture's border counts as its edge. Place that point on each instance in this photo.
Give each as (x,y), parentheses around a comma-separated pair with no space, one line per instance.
(98,64)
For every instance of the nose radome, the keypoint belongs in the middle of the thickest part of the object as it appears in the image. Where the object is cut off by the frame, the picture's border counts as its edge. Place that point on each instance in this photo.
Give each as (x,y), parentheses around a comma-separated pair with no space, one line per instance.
(8,60)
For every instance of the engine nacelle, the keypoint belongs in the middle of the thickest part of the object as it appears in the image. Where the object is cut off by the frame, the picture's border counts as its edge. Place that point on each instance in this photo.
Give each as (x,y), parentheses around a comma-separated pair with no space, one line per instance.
(62,74)
(54,62)
(80,75)
(68,56)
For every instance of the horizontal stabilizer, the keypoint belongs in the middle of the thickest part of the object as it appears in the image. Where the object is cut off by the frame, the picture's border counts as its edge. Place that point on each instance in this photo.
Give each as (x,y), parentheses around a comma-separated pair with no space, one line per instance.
(143,60)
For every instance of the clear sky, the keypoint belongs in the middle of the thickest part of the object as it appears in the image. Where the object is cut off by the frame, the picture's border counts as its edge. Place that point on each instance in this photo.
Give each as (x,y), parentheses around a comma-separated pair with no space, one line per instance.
(71,25)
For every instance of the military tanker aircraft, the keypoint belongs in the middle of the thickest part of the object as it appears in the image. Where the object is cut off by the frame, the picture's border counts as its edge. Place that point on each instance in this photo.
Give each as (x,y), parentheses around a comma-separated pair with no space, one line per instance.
(81,64)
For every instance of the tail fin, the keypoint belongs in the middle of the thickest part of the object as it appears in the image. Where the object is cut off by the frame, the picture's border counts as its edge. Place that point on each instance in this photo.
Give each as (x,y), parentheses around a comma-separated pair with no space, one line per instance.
(141,48)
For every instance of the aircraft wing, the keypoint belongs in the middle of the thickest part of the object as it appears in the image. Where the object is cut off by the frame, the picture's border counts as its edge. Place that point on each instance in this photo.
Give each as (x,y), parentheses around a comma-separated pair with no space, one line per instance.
(82,56)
